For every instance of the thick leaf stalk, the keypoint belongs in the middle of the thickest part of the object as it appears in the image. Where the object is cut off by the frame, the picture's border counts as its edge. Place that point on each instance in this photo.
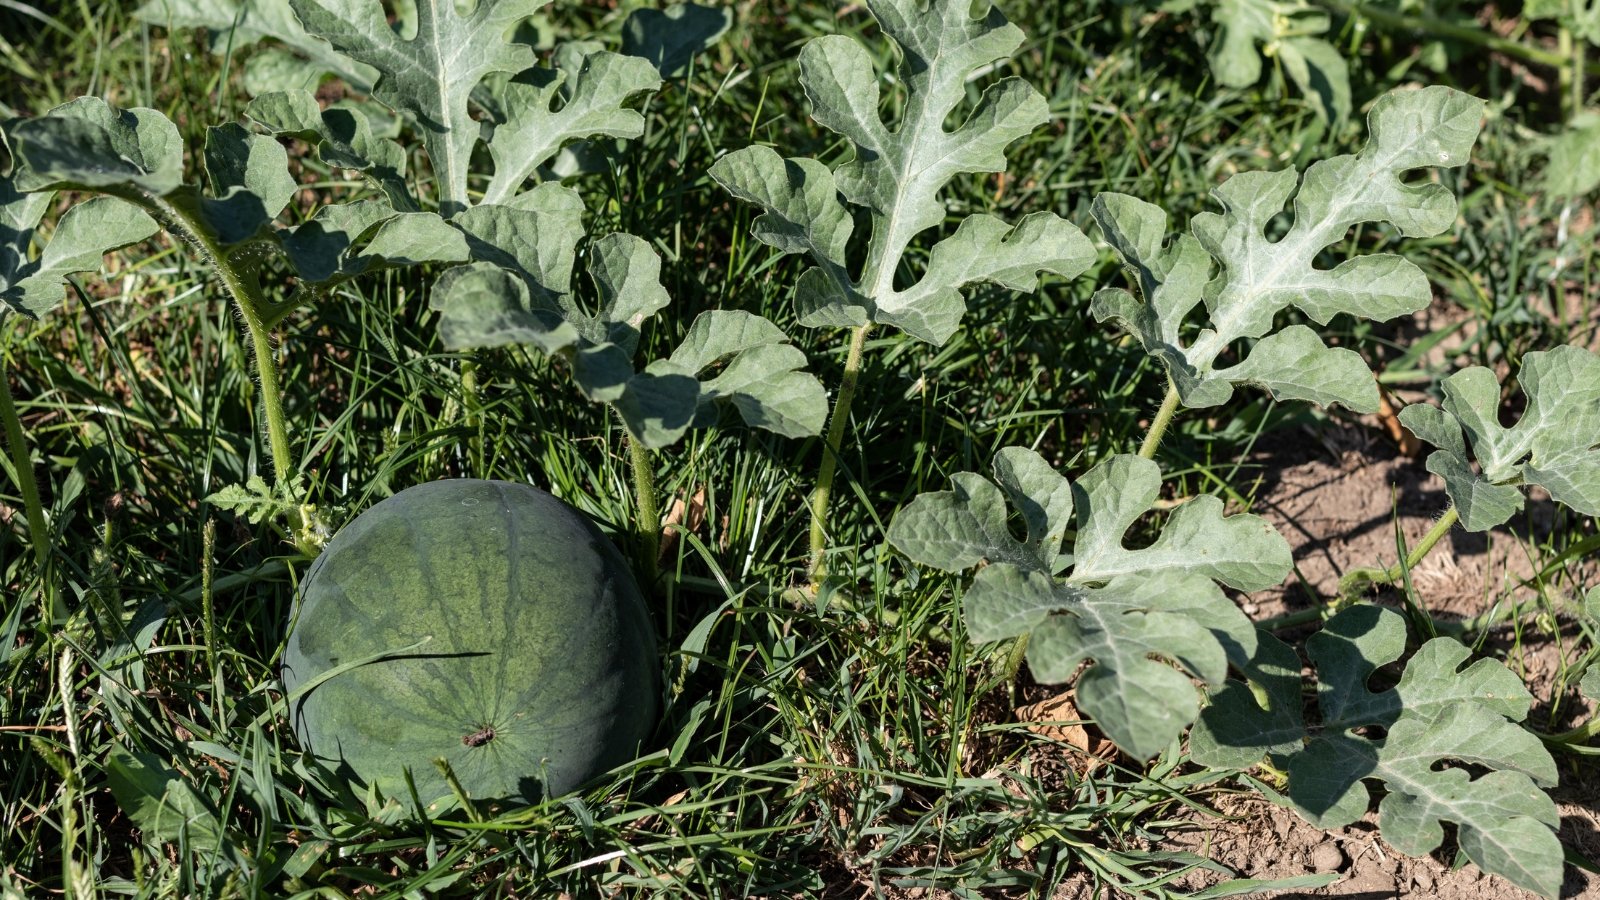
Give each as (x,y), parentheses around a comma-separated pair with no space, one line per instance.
(839,423)
(247,299)
(647,505)
(896,178)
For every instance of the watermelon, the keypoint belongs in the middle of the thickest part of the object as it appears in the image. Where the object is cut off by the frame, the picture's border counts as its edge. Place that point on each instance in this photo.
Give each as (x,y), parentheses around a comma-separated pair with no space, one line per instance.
(540,670)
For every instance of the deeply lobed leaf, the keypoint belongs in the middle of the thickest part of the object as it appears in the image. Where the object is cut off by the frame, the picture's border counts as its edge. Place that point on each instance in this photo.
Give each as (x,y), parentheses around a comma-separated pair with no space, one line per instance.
(1436,720)
(591,87)
(430,76)
(1555,444)
(898,172)
(1117,608)
(1259,277)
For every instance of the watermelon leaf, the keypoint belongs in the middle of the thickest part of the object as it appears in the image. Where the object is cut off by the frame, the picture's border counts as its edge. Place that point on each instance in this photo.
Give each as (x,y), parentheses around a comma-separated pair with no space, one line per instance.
(137,154)
(1116,608)
(669,38)
(1259,277)
(233,24)
(1290,32)
(899,171)
(1555,444)
(342,136)
(1416,737)
(429,77)
(32,286)
(727,356)
(589,87)
(160,802)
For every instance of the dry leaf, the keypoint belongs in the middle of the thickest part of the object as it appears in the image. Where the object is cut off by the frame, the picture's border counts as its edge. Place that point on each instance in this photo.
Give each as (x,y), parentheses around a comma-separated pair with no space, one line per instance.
(1056,718)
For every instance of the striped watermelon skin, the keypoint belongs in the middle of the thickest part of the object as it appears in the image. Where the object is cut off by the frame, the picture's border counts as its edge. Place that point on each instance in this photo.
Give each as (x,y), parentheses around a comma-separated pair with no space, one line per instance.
(541,668)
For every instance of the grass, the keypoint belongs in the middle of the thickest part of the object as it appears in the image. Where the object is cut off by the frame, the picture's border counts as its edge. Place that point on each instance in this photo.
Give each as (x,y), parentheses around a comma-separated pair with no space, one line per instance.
(841,745)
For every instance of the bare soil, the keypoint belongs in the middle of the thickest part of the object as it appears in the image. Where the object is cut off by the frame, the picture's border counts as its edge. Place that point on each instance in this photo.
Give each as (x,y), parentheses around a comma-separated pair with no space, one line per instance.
(1338,495)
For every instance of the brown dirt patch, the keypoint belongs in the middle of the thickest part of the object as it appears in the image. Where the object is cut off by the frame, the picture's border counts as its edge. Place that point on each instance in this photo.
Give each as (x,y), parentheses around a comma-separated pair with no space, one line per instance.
(1261,840)
(1338,495)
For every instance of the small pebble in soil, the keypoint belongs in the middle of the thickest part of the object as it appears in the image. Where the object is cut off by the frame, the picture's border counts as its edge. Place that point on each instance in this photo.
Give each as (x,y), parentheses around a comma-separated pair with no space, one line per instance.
(1422,881)
(1326,857)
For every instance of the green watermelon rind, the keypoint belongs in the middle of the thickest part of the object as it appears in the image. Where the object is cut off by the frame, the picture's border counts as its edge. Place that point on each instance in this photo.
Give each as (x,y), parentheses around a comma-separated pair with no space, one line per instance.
(537,629)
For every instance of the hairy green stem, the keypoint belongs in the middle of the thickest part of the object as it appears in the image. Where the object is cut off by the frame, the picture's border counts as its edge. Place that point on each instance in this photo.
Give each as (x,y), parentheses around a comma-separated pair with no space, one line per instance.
(1456,629)
(1357,580)
(1158,427)
(1574,48)
(54,612)
(838,421)
(1476,36)
(252,307)
(647,505)
(1580,735)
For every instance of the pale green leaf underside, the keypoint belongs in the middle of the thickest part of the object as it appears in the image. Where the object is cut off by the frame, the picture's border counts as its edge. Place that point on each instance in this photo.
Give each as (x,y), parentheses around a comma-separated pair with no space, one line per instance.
(898,171)
(1116,607)
(87,144)
(1555,444)
(1439,713)
(430,77)
(1257,278)
(31,285)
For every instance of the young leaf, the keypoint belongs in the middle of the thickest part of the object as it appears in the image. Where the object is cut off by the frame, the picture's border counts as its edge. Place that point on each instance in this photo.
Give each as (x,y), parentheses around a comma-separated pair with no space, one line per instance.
(1117,607)
(1556,443)
(1289,32)
(1437,719)
(1260,277)
(255,500)
(234,24)
(487,305)
(33,286)
(429,77)
(898,172)
(591,85)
